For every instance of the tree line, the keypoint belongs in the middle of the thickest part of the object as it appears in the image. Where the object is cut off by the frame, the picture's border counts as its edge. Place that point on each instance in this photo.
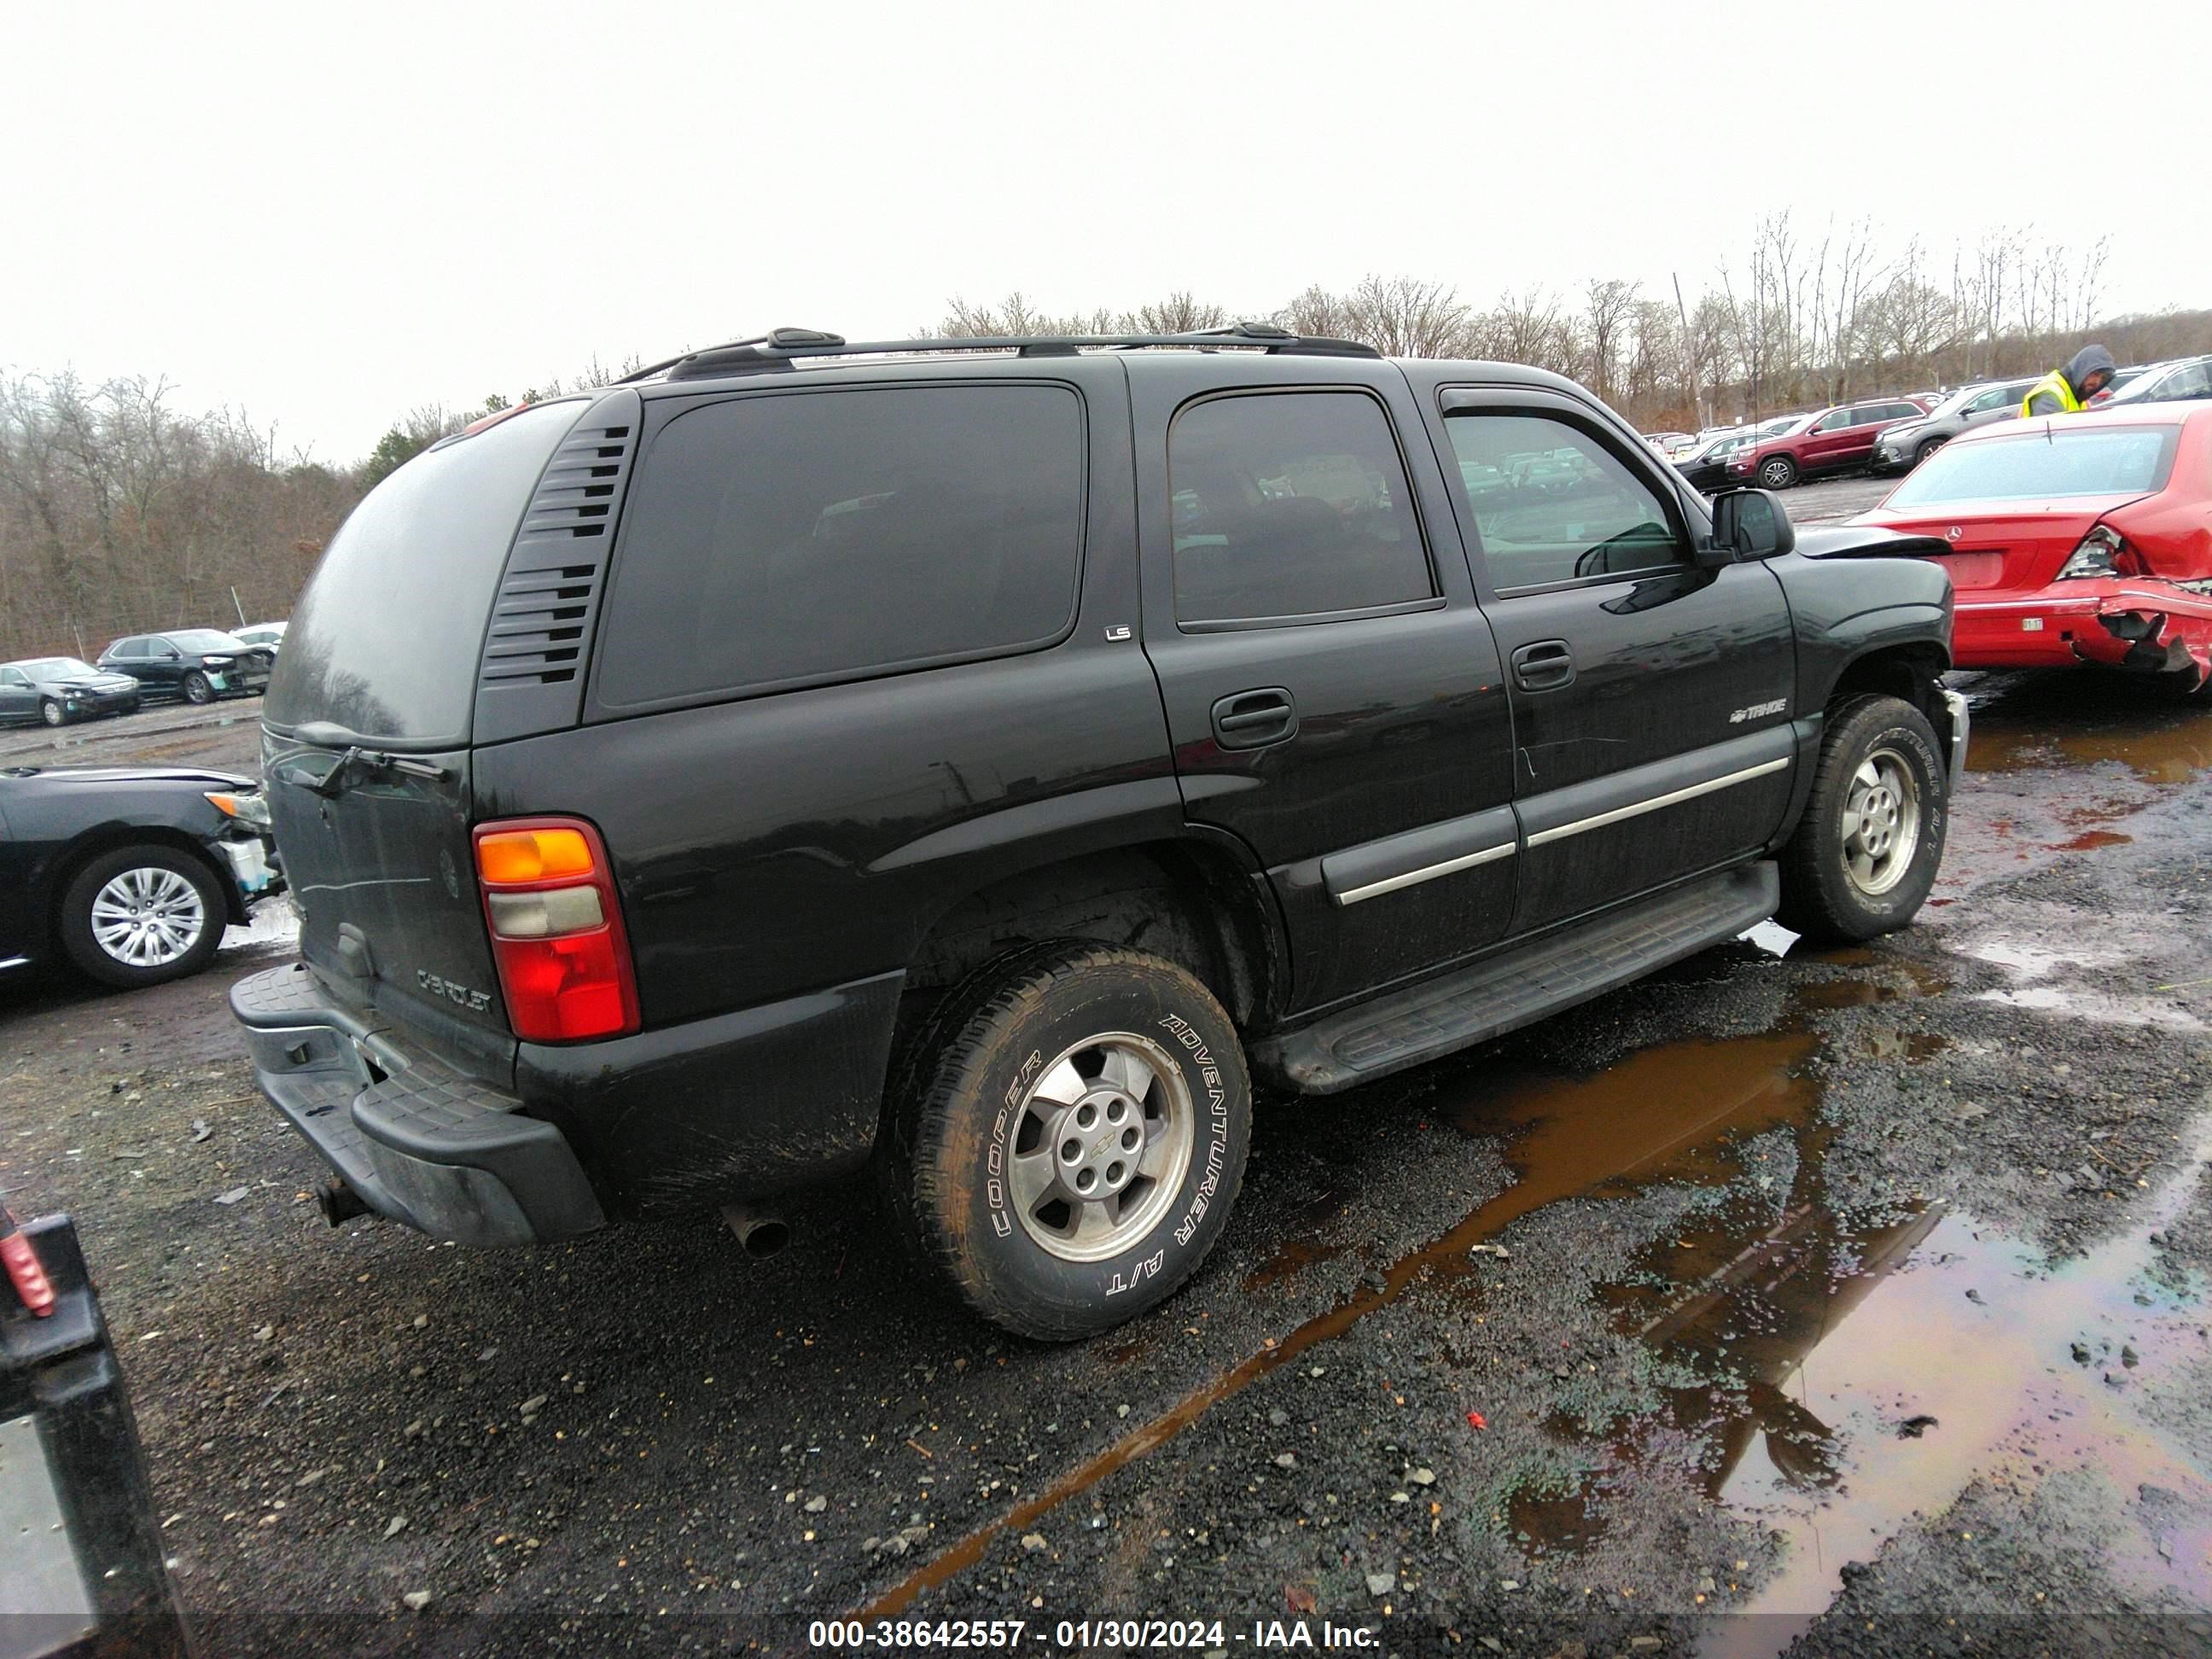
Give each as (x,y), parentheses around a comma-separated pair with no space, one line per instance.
(119,513)
(1801,320)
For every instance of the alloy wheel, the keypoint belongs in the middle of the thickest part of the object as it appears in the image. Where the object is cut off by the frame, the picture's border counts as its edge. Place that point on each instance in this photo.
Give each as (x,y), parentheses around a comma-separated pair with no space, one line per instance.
(1101,1146)
(1881,822)
(148,917)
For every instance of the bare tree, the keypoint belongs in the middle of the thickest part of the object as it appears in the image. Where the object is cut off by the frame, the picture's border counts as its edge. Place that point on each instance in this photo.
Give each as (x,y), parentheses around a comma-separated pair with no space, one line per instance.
(1530,328)
(1318,314)
(1605,324)
(1179,314)
(1406,317)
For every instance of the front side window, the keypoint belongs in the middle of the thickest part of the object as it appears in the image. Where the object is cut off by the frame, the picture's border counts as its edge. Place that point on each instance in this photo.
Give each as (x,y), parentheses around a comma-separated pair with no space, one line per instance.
(826,534)
(1568,507)
(1289,505)
(9,677)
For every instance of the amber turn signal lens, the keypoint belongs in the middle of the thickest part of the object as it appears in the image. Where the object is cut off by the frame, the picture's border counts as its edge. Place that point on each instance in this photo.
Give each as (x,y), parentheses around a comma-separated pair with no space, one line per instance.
(508,856)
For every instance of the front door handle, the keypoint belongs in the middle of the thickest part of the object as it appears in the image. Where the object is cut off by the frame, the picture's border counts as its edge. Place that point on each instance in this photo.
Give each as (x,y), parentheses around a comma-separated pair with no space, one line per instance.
(1545,665)
(1253,719)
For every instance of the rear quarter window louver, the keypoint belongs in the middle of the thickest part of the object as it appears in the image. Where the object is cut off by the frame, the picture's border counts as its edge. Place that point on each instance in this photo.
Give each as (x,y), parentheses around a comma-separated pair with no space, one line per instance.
(540,634)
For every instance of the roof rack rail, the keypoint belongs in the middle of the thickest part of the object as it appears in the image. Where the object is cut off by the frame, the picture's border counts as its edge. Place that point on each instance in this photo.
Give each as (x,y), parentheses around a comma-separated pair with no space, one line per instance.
(781,348)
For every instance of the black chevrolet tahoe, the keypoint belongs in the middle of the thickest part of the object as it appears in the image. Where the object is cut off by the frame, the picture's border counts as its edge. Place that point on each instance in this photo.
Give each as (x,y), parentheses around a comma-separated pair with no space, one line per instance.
(984,759)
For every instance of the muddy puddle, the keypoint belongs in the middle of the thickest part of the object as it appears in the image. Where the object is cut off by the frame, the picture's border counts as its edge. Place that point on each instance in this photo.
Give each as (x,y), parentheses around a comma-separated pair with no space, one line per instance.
(1870,1373)
(1963,1354)
(2159,746)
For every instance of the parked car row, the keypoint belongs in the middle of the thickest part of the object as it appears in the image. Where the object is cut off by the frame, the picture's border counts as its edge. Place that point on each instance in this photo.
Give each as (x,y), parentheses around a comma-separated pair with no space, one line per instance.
(1838,439)
(197,665)
(1894,435)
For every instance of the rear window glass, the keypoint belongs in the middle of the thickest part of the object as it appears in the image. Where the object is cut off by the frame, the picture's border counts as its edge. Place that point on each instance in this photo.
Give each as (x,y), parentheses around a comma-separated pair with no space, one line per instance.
(386,640)
(2112,461)
(823,534)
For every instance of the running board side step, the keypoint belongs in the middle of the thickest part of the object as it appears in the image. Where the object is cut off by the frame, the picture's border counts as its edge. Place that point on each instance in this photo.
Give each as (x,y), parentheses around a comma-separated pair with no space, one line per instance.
(1503,992)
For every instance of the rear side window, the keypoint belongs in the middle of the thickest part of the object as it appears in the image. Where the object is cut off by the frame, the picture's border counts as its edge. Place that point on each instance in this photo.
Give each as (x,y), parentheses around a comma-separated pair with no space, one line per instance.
(824,534)
(385,641)
(1289,505)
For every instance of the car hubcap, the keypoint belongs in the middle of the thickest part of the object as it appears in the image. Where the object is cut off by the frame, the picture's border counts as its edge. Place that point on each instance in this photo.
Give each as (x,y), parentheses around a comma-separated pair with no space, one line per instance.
(1882,823)
(1101,1146)
(1777,474)
(148,918)
(197,689)
(52,712)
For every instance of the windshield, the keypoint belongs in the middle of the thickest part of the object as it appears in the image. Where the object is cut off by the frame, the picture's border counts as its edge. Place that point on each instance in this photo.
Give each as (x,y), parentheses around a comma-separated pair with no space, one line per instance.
(2118,460)
(56,668)
(202,638)
(1957,401)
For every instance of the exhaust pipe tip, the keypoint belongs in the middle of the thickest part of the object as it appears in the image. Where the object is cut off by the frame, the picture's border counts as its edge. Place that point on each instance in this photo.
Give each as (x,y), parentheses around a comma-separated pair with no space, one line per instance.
(759,1233)
(338,1202)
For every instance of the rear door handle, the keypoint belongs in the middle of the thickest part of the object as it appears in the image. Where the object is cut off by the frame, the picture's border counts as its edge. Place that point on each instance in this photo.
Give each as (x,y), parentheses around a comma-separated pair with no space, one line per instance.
(1545,665)
(1253,719)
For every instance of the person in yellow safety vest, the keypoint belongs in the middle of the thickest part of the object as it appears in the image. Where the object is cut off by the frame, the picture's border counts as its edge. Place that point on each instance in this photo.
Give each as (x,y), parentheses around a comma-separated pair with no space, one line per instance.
(2067,391)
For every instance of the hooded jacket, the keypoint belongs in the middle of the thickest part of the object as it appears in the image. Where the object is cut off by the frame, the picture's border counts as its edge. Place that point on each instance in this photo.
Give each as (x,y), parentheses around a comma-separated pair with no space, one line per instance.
(2059,392)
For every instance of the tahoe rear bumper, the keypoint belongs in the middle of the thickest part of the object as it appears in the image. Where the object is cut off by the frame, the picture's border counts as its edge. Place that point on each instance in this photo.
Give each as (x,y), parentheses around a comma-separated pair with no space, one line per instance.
(419,1142)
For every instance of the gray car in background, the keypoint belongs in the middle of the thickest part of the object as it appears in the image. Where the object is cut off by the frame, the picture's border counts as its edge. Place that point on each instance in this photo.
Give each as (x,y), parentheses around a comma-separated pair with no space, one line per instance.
(2164,383)
(1905,445)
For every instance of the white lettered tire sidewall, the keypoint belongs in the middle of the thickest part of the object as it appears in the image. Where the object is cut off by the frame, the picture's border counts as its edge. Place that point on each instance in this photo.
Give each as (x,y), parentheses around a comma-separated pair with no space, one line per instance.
(1047,1001)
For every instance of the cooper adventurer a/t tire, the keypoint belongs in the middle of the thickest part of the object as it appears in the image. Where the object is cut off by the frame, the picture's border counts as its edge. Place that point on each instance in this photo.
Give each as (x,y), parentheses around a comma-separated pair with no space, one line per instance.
(1867,850)
(1069,1136)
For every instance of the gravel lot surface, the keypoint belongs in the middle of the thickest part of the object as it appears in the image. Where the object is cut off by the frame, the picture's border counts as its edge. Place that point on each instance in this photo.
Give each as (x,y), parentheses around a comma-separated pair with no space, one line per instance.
(1833,1303)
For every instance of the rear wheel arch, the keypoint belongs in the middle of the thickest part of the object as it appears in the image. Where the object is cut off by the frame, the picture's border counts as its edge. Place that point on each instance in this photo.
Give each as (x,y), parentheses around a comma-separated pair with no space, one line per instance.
(1191,900)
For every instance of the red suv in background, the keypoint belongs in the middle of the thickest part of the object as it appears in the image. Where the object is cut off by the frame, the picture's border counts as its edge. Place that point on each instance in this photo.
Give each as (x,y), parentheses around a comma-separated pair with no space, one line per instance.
(1834,440)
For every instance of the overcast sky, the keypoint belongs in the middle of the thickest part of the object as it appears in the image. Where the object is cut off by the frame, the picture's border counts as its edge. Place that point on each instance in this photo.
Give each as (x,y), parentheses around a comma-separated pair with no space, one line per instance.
(329,213)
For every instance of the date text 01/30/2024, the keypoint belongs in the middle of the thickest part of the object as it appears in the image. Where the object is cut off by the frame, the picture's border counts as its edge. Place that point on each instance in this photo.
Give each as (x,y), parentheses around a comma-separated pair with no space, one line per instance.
(1201,1635)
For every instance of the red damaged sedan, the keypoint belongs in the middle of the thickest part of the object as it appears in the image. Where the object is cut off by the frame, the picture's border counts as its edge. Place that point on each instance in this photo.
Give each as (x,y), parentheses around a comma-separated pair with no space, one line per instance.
(2079,538)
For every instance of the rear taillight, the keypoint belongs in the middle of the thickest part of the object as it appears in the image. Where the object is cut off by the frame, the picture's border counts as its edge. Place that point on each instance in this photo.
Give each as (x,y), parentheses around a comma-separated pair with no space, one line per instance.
(2103,552)
(556,930)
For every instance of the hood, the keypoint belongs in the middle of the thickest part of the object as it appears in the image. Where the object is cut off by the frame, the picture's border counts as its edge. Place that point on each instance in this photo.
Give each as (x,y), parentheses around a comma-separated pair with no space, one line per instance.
(207,777)
(96,681)
(2085,362)
(1862,538)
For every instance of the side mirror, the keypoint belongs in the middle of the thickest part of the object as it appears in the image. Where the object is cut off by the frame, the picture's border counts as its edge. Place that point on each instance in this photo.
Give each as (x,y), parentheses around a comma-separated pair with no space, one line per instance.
(1750,524)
